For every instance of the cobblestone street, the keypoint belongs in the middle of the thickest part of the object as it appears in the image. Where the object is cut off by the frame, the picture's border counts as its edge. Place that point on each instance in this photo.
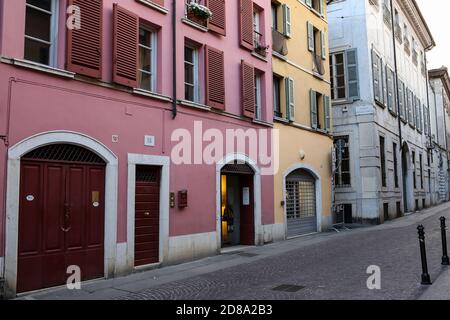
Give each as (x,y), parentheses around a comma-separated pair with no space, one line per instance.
(328,266)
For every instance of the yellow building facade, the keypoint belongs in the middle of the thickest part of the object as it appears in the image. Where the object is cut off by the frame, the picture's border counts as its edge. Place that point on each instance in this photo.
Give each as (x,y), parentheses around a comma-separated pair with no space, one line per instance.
(301,73)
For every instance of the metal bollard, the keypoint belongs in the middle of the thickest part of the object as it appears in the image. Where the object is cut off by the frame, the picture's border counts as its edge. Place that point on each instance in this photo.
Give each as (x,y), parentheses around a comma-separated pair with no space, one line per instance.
(423,254)
(445,258)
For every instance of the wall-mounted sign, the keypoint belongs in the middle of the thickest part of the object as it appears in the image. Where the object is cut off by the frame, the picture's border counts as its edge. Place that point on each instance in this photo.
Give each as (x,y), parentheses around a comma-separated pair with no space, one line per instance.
(149,141)
(246,196)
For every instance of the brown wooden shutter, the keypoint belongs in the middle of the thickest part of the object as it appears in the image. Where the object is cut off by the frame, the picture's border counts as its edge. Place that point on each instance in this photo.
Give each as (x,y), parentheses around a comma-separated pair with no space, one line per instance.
(215,78)
(246,23)
(84,46)
(248,89)
(217,22)
(126,47)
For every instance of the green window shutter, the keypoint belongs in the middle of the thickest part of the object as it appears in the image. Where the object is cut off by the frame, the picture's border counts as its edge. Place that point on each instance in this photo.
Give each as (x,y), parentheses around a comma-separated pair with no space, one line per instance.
(400,98)
(390,93)
(383,83)
(352,78)
(376,76)
(327,113)
(290,99)
(310,36)
(322,7)
(287,25)
(313,106)
(323,45)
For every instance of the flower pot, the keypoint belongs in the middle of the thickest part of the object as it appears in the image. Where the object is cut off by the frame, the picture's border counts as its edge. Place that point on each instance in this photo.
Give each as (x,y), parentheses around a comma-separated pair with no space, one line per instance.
(195,18)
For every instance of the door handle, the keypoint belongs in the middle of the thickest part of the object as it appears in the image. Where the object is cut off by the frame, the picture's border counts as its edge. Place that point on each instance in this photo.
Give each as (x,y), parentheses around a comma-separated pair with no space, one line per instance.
(66,228)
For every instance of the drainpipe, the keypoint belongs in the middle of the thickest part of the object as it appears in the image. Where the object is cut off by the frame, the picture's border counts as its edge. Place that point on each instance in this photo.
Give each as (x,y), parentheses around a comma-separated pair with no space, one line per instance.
(174,58)
(400,135)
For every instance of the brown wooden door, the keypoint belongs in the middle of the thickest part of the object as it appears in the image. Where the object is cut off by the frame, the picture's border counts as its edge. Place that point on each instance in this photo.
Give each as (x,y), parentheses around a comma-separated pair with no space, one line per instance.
(247,223)
(61,222)
(147,215)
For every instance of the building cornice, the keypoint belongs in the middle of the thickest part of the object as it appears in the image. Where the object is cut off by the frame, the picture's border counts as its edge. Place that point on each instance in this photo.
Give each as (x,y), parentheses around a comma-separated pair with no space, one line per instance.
(417,21)
(442,74)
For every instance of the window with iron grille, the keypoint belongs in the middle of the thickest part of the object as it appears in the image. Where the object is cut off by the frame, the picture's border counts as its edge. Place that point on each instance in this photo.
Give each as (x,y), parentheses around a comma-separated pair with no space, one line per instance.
(342,177)
(301,199)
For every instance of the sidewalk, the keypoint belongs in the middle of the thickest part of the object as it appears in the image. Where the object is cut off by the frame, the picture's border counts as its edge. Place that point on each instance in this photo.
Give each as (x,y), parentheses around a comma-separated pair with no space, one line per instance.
(440,289)
(136,283)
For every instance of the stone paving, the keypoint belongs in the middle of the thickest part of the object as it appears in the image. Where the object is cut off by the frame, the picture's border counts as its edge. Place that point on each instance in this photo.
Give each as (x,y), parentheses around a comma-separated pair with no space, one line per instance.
(329,266)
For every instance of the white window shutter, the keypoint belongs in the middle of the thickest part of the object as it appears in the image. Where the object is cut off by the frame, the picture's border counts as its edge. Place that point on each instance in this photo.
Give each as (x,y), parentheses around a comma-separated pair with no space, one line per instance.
(287,24)
(310,36)
(290,99)
(308,3)
(323,45)
(313,106)
(327,113)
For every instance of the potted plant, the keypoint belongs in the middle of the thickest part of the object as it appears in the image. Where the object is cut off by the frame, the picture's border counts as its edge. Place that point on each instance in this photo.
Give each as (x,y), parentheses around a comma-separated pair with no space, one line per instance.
(198,13)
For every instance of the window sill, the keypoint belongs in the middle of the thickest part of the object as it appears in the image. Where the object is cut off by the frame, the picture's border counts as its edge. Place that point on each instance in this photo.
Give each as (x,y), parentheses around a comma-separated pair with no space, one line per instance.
(195,105)
(262,123)
(194,25)
(282,120)
(153,5)
(39,67)
(152,95)
(279,56)
(258,56)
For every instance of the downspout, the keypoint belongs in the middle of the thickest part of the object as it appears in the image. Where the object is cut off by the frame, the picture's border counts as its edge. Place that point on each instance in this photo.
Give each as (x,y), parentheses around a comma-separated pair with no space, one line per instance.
(400,135)
(174,58)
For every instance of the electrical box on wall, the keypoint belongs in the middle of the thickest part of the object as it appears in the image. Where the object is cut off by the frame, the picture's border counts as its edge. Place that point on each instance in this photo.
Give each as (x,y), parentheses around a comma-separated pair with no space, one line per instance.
(182,199)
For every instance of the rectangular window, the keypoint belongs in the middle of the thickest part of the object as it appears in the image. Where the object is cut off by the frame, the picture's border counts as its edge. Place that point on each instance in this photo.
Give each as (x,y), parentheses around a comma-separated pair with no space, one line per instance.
(421,171)
(342,170)
(40,31)
(147,59)
(383,162)
(394,150)
(275,16)
(277,97)
(258,96)
(414,169)
(338,79)
(191,82)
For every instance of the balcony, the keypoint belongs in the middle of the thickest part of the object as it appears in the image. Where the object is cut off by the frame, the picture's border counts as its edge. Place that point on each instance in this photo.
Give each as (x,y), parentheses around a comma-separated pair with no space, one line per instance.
(279,43)
(258,43)
(319,67)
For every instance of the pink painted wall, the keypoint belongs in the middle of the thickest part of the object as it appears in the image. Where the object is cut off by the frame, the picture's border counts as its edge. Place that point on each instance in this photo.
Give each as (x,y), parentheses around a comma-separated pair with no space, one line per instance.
(41,102)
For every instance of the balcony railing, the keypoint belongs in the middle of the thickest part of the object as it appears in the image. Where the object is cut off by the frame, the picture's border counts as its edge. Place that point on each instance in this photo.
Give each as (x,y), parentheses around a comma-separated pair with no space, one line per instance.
(258,44)
(318,65)
(279,42)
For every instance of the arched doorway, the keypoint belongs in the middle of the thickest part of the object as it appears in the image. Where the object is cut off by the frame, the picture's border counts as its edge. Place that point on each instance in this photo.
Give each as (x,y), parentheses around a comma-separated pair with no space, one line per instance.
(237,205)
(408,179)
(61,216)
(16,154)
(301,203)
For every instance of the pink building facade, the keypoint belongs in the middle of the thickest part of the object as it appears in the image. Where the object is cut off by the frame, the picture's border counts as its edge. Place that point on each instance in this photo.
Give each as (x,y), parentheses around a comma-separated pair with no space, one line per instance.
(101,167)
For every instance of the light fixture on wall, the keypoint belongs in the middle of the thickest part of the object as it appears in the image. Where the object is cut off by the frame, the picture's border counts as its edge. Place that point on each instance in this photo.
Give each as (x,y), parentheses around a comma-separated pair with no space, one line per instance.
(302,155)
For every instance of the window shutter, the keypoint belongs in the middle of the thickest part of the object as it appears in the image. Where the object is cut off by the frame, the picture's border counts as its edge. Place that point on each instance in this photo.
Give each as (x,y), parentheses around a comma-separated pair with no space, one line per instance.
(308,3)
(159,2)
(246,23)
(327,113)
(290,99)
(400,99)
(384,82)
(351,57)
(217,22)
(323,45)
(313,106)
(84,46)
(215,78)
(248,90)
(322,7)
(389,82)
(126,47)
(310,36)
(376,76)
(287,26)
